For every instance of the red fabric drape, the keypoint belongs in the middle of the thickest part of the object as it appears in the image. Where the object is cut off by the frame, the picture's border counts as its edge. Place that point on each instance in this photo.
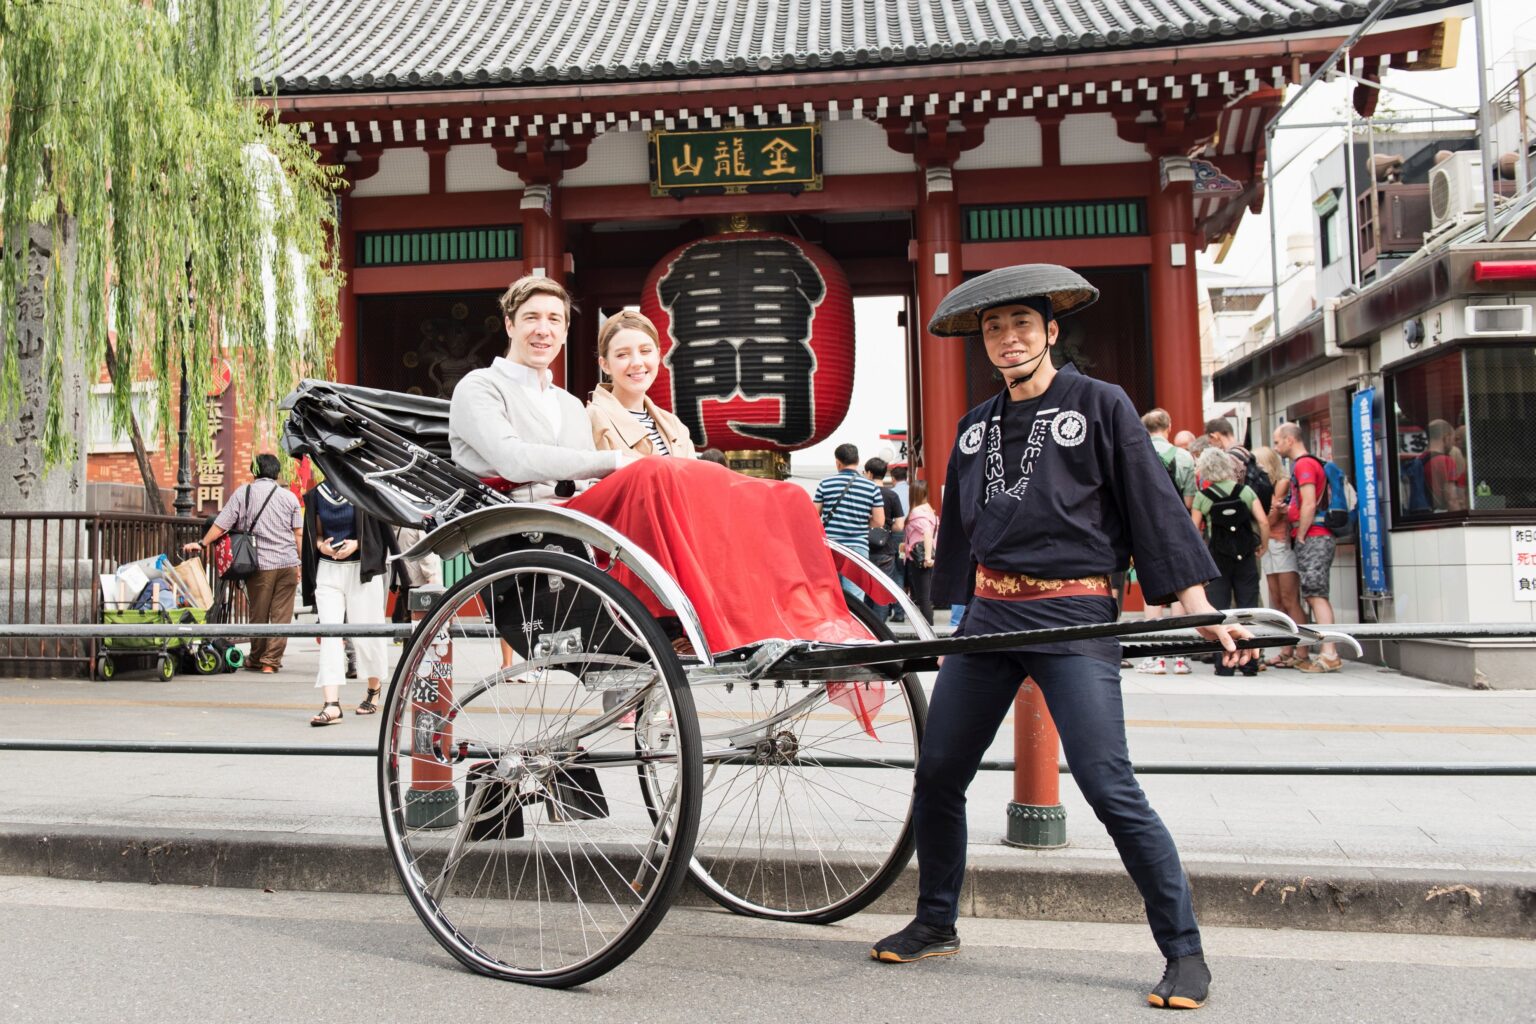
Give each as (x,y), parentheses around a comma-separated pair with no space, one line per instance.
(749,553)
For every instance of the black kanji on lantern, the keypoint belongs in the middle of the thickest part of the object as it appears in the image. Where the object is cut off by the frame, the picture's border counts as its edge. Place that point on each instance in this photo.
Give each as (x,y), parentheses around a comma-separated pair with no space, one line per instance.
(741,314)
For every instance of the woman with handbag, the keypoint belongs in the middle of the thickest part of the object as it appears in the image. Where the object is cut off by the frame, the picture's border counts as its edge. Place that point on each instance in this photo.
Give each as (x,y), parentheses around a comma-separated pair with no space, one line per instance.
(921,529)
(345,557)
(264,521)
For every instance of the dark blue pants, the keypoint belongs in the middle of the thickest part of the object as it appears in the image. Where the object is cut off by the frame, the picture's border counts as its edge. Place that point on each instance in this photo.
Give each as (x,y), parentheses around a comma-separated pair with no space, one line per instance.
(882,612)
(970,700)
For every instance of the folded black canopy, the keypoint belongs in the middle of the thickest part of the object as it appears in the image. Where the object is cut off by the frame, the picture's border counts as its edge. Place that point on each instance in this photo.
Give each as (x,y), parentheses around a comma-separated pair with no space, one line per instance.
(387,452)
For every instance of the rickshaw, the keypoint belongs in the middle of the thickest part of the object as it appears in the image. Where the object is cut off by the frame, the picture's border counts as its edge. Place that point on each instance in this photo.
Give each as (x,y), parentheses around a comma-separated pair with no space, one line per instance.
(551,767)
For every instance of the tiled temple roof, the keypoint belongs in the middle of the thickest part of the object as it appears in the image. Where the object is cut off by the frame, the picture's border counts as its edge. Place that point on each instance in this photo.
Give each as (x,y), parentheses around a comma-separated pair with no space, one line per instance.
(345,46)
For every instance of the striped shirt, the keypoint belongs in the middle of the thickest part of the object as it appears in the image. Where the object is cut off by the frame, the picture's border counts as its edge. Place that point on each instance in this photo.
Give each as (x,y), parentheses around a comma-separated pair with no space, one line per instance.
(658,443)
(846,501)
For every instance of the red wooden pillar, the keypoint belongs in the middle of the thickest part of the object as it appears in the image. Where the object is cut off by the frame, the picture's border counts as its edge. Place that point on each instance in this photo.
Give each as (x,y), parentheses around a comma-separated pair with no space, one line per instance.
(1036,817)
(543,245)
(1175,308)
(345,356)
(936,252)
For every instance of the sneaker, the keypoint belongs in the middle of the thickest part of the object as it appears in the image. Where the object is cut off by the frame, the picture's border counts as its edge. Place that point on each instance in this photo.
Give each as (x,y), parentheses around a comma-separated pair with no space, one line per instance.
(628,721)
(1185,984)
(1153,667)
(1180,667)
(915,942)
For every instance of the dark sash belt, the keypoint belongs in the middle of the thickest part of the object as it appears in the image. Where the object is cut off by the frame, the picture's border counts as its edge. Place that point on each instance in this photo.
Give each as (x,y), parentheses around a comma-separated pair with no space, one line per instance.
(1018,586)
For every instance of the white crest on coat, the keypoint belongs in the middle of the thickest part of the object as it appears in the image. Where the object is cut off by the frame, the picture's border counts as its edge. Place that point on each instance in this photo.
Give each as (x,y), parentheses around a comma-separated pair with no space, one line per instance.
(970,441)
(1069,428)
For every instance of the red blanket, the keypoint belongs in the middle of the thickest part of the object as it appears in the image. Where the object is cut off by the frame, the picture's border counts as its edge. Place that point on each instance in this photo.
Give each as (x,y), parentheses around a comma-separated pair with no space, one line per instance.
(749,553)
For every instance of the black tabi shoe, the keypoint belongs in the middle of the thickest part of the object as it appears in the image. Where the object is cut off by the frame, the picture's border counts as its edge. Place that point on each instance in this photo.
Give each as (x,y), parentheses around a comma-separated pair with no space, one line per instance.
(1185,985)
(916,941)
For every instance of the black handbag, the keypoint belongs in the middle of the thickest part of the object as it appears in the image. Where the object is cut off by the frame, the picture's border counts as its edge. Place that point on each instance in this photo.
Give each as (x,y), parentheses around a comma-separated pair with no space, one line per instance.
(242,543)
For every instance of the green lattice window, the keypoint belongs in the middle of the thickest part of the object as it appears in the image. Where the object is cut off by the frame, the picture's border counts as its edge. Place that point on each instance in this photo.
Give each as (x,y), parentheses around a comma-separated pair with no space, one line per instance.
(1026,222)
(439,245)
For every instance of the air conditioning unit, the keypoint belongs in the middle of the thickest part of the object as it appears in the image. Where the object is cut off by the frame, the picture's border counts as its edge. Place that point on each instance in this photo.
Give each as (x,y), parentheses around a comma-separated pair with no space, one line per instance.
(1456,188)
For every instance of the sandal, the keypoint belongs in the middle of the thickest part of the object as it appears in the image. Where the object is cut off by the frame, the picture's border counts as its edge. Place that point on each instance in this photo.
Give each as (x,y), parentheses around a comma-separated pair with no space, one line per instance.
(1322,664)
(370,704)
(1283,661)
(325,717)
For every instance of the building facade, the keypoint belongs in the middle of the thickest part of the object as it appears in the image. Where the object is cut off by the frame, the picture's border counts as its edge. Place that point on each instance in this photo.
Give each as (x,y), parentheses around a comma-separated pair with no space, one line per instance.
(1416,374)
(916,144)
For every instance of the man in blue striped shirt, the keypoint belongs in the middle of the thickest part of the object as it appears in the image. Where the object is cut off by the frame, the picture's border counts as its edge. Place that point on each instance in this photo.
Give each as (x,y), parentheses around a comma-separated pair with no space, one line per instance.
(850,505)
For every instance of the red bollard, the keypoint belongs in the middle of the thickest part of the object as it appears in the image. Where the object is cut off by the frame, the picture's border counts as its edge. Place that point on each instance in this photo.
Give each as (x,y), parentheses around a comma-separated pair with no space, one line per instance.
(432,801)
(1036,817)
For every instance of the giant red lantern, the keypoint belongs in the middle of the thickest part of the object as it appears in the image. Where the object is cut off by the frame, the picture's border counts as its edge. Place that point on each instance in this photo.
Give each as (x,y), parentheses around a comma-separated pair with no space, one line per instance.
(756,339)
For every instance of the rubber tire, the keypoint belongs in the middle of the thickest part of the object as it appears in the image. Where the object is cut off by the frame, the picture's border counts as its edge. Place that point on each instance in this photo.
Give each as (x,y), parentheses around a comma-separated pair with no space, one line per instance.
(165,668)
(691,767)
(205,660)
(901,852)
(106,667)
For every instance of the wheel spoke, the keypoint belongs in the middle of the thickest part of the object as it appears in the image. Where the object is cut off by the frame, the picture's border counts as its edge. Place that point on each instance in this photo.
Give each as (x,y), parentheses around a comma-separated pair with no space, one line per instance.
(785,835)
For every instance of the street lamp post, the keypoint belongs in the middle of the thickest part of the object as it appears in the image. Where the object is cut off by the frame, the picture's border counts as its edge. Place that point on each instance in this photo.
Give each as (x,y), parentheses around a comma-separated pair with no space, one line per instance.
(183,502)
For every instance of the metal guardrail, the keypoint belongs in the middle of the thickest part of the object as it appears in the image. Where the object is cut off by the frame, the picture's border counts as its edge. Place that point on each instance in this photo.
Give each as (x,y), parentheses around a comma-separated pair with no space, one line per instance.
(1149,768)
(50,565)
(197,630)
(1382,631)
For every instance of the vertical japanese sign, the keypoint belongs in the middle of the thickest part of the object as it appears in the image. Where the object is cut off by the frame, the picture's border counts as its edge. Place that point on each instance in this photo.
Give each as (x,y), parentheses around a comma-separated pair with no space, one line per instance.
(1522,561)
(213,467)
(783,159)
(1373,545)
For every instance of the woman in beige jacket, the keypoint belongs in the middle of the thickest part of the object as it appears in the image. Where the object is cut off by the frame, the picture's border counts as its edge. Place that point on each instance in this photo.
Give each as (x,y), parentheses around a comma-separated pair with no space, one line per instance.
(623,418)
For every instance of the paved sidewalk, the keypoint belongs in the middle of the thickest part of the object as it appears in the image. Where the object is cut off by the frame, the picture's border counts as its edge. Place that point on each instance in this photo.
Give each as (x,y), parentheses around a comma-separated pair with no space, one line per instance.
(1421,834)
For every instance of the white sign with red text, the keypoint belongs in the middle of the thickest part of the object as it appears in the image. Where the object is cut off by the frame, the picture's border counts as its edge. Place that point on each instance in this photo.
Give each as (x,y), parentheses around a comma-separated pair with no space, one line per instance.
(1522,558)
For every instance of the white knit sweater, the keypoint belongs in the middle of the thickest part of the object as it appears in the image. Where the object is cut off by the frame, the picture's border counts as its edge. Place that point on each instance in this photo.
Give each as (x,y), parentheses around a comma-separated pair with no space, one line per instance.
(496,429)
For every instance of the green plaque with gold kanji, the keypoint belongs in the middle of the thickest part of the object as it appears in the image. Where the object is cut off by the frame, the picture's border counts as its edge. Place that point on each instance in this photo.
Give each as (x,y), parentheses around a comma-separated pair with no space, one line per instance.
(736,160)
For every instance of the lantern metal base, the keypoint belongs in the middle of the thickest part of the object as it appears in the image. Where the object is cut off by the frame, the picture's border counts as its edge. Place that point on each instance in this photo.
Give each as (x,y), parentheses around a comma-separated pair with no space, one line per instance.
(767,465)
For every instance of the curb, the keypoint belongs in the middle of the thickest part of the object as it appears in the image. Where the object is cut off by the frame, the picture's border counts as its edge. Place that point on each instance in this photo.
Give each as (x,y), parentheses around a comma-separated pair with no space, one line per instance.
(1429,902)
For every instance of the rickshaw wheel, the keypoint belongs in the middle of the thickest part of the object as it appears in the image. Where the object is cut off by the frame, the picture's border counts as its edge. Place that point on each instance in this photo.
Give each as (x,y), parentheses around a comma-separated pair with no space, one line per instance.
(807,818)
(508,795)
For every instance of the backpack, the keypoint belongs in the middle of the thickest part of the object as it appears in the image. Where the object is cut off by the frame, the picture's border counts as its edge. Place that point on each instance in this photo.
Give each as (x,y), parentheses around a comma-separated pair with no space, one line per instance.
(1337,503)
(1257,480)
(1231,524)
(1170,459)
(1416,484)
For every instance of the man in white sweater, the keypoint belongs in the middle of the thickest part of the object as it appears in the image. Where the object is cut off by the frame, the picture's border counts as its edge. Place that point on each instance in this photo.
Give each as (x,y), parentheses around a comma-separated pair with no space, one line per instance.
(510,421)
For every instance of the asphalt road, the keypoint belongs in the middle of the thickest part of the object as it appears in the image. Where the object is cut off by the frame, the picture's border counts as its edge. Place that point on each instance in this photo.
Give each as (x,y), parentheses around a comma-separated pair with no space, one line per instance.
(79,951)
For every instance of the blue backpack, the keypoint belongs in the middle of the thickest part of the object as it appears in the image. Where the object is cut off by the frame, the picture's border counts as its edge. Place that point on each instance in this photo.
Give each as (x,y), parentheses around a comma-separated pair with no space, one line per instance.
(1340,515)
(1416,485)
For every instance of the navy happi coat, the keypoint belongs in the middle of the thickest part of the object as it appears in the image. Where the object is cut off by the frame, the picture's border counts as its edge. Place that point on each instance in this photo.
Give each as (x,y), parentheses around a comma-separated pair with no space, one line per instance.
(1095,497)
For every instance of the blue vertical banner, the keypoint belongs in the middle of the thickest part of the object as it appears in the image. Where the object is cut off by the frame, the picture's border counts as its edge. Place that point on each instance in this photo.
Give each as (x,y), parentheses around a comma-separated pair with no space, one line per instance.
(1373,540)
